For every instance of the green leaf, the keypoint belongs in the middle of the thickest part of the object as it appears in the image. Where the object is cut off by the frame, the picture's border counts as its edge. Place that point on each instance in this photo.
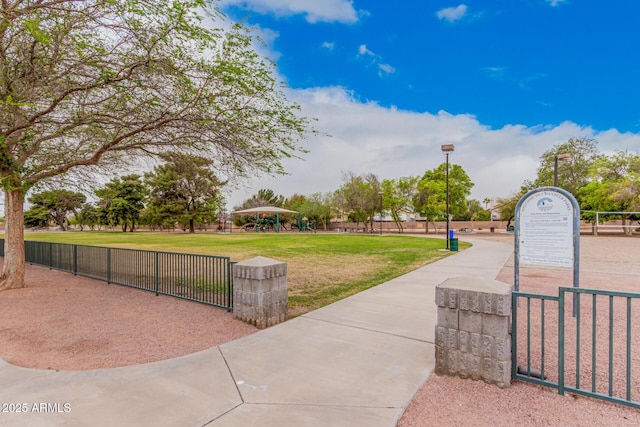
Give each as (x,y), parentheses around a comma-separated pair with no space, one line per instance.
(33,27)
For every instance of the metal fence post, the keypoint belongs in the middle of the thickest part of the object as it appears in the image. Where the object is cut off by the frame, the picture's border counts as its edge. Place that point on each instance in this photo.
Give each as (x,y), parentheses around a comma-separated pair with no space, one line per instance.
(229,289)
(75,260)
(157,274)
(514,333)
(109,265)
(561,342)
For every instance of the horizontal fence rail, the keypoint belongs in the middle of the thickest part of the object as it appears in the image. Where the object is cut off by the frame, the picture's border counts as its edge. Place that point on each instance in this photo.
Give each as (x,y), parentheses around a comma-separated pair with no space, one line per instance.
(202,278)
(596,353)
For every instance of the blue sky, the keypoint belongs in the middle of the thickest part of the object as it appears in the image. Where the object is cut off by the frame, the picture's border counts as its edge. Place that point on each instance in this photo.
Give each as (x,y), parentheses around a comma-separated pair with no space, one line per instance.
(503,80)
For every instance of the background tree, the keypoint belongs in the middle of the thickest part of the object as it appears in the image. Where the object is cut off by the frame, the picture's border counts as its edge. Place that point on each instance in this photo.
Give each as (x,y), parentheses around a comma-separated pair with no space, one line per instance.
(486,202)
(264,197)
(430,199)
(474,212)
(398,197)
(58,204)
(88,215)
(315,207)
(297,202)
(359,197)
(123,200)
(88,83)
(614,186)
(573,174)
(37,217)
(507,205)
(184,190)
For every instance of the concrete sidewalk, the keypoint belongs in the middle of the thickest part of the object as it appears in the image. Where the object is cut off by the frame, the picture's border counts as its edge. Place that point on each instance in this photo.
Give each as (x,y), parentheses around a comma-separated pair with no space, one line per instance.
(357,362)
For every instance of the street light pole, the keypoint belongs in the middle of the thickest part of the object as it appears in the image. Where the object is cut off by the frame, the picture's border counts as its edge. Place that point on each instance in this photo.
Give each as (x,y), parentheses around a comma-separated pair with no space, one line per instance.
(562,156)
(381,193)
(446,149)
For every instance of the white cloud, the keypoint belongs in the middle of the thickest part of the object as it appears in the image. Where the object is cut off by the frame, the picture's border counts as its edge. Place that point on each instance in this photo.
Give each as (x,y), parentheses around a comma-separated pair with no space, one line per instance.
(386,69)
(362,50)
(452,14)
(555,3)
(328,45)
(495,72)
(391,143)
(313,10)
(383,69)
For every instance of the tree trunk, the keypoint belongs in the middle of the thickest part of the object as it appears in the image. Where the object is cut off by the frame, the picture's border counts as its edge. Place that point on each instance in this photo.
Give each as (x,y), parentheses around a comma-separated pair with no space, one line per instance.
(14,261)
(191,227)
(60,221)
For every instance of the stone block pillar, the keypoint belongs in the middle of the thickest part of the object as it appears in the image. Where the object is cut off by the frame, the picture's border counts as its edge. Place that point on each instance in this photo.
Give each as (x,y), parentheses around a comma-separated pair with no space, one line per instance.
(473,331)
(260,291)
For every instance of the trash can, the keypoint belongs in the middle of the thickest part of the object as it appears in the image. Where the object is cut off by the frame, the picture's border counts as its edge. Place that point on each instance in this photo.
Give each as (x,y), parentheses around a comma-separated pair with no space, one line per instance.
(453,245)
(493,229)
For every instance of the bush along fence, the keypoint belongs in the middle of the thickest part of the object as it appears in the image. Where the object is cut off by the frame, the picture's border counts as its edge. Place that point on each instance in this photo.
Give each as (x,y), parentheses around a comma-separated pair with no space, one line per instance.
(202,278)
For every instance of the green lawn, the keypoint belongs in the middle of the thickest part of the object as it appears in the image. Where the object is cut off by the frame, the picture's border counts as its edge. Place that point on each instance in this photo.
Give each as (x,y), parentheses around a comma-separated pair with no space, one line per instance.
(322,268)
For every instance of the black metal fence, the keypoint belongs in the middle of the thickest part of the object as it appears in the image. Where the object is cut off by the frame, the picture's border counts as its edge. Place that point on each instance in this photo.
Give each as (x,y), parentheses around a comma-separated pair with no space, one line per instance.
(203,278)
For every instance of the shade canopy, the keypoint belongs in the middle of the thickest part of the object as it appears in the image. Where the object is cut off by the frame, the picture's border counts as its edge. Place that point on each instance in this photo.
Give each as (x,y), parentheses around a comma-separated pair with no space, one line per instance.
(265,210)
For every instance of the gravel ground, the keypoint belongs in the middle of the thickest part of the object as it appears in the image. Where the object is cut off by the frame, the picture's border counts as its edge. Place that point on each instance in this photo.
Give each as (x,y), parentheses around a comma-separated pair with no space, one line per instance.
(66,322)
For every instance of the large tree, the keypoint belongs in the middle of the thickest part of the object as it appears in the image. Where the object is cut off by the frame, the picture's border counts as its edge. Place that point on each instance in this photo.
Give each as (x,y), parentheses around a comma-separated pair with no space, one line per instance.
(88,215)
(398,197)
(430,199)
(100,82)
(315,207)
(614,186)
(359,197)
(573,174)
(184,189)
(122,201)
(58,204)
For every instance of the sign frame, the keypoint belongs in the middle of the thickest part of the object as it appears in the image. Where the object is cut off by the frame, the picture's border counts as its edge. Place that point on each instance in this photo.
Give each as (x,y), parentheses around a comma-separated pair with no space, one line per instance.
(567,198)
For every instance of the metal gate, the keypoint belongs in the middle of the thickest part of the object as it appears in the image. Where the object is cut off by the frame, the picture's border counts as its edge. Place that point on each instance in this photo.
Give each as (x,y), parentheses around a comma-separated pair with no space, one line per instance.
(596,353)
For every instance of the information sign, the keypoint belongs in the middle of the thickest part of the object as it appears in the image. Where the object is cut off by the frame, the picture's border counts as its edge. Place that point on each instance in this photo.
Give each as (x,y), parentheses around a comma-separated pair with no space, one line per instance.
(546,229)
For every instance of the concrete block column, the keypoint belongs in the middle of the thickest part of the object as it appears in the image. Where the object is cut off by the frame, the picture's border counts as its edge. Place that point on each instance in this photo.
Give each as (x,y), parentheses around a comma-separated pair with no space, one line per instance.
(260,291)
(473,336)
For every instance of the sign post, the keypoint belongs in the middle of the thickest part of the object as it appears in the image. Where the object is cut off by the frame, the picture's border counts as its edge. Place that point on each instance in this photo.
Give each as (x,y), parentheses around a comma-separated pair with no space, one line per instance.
(547,232)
